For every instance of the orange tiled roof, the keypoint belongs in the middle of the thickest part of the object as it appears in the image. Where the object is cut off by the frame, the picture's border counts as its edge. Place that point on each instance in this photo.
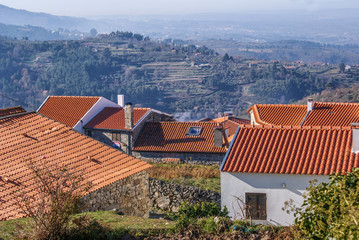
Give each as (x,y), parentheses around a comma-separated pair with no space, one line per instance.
(233,119)
(114,118)
(333,114)
(323,114)
(291,150)
(67,109)
(10,111)
(232,128)
(35,137)
(171,137)
(231,123)
(279,114)
(206,119)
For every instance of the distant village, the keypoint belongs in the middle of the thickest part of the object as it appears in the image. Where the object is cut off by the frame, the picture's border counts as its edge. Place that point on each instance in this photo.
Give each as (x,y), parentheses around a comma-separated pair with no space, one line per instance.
(265,160)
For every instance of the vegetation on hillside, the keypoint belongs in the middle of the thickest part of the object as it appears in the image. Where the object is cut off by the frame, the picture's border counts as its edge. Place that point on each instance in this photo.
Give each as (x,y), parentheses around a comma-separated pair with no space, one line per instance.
(168,77)
(289,50)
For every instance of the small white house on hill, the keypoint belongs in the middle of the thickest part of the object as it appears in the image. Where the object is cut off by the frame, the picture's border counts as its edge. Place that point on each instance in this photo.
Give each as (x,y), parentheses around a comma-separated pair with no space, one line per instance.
(266,166)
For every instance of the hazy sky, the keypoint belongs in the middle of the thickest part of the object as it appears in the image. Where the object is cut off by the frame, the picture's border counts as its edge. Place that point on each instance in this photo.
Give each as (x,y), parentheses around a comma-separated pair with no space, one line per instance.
(83,8)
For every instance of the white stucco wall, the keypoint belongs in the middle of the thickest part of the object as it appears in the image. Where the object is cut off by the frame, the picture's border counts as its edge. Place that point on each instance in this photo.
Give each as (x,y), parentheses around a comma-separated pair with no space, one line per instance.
(237,184)
(253,120)
(96,109)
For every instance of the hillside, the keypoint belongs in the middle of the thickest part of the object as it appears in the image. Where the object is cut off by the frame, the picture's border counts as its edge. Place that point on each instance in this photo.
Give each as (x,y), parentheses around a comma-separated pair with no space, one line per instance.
(288,50)
(11,16)
(169,77)
(35,33)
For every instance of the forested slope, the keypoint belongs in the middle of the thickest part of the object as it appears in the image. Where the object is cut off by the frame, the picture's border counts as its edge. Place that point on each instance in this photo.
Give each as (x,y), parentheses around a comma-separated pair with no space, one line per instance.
(168,77)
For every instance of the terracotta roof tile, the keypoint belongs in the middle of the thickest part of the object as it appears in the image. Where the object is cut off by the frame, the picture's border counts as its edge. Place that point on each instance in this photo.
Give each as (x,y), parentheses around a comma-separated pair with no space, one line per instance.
(32,136)
(114,118)
(230,124)
(291,150)
(233,119)
(67,109)
(10,111)
(206,119)
(333,114)
(323,114)
(279,114)
(171,137)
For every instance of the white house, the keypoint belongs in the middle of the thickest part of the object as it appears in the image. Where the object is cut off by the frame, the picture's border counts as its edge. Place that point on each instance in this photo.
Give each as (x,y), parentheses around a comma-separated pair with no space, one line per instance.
(74,111)
(265,166)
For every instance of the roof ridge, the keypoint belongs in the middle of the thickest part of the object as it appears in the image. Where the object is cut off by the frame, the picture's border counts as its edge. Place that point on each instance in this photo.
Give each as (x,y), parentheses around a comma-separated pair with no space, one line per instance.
(76,96)
(15,115)
(170,122)
(337,103)
(271,126)
(280,105)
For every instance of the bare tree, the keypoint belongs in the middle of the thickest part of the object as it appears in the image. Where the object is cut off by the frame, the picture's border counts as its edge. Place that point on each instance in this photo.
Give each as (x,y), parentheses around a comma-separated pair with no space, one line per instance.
(55,196)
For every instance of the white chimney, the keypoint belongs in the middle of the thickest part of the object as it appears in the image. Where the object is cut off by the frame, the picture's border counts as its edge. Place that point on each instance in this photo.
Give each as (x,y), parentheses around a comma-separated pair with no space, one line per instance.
(121,100)
(355,137)
(310,104)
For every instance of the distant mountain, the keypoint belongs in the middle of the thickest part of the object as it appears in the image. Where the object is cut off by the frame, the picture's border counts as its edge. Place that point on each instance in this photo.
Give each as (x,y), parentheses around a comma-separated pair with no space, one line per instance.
(13,16)
(28,32)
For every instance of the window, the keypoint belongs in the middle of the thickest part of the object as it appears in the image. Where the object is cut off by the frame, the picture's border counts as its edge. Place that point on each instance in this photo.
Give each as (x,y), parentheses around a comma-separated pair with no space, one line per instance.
(116,136)
(256,206)
(194,131)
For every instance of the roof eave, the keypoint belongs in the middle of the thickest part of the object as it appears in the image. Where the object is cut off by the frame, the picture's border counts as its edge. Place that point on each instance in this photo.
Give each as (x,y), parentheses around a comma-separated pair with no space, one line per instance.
(229,149)
(42,104)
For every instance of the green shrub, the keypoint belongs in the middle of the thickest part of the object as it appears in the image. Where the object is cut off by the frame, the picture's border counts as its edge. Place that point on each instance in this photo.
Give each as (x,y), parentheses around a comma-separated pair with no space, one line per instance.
(214,224)
(188,214)
(331,210)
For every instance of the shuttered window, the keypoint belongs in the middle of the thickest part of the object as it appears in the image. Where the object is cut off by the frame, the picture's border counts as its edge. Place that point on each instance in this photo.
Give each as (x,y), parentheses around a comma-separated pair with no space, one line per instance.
(256,206)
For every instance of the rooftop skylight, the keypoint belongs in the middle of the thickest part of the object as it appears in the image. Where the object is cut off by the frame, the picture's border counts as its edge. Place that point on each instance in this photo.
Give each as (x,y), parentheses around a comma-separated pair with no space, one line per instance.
(194,131)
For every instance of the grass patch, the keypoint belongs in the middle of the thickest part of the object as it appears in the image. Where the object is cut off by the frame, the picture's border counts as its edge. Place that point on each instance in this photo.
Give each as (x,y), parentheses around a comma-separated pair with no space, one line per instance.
(204,177)
(110,219)
(7,228)
(115,220)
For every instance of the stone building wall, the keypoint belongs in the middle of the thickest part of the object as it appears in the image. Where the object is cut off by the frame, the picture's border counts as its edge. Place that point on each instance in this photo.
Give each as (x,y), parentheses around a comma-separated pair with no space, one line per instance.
(125,138)
(100,135)
(169,196)
(200,158)
(129,195)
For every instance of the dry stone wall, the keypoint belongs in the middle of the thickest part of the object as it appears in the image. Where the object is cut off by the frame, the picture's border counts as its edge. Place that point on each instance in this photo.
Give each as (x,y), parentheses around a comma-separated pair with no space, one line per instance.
(168,196)
(194,158)
(129,196)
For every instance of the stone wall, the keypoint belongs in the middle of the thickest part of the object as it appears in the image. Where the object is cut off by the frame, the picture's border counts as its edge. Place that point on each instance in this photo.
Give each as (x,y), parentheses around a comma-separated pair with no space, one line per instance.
(169,196)
(129,195)
(200,158)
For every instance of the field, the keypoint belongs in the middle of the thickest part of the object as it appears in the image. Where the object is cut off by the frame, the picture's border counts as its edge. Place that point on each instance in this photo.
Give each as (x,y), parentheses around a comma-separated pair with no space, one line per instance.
(204,177)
